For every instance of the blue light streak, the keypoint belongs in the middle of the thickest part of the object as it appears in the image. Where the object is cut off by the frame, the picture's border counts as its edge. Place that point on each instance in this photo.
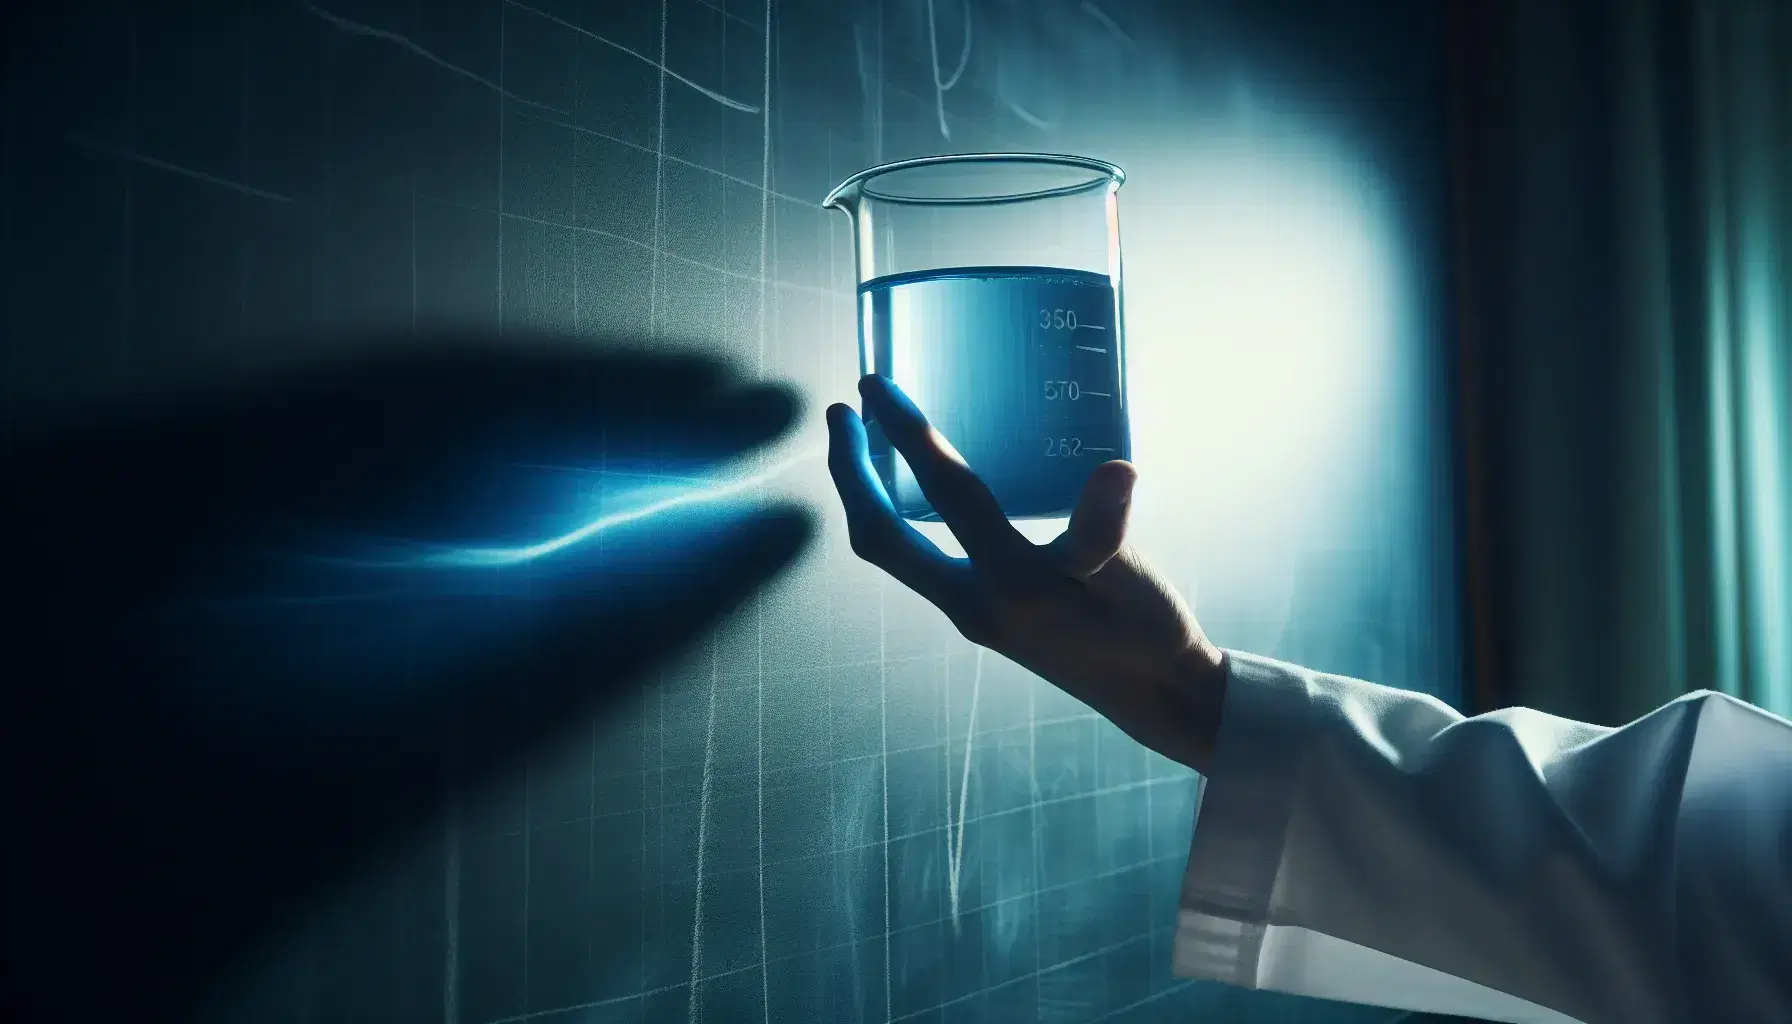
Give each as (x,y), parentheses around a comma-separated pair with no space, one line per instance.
(491,557)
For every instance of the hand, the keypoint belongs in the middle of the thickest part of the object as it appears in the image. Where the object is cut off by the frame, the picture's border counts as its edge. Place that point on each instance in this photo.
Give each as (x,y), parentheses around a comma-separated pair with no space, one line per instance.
(199,751)
(1085,612)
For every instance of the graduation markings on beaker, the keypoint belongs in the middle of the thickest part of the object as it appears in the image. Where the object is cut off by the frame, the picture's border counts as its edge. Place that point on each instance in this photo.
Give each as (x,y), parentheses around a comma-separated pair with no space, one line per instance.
(1075,388)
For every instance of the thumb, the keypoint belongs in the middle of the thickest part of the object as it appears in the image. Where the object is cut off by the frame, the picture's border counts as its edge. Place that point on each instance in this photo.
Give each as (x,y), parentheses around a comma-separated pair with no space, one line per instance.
(1098,525)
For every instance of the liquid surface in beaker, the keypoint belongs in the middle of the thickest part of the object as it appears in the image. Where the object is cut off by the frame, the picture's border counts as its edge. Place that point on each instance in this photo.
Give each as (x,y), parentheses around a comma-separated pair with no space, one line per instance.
(1019,367)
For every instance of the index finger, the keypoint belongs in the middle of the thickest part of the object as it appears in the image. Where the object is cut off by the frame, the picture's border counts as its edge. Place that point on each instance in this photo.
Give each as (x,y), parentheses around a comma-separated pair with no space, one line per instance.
(954,490)
(878,534)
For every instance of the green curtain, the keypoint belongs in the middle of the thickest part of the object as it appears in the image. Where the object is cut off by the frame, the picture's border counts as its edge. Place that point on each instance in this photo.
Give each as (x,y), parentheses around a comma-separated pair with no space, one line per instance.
(1742,565)
(1624,234)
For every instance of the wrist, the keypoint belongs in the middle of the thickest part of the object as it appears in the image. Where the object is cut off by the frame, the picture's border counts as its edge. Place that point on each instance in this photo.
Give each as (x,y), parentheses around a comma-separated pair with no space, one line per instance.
(1193,698)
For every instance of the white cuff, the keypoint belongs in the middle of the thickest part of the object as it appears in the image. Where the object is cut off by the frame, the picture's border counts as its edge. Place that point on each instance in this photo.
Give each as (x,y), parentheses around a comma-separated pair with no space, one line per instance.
(1236,855)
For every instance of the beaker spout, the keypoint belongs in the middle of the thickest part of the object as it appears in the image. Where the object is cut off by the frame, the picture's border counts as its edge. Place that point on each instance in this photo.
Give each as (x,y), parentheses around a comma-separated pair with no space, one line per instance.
(845,197)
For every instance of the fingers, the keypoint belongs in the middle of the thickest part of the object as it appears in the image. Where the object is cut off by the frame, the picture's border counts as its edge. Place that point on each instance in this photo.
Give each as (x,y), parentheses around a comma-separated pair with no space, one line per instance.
(1098,525)
(952,487)
(878,534)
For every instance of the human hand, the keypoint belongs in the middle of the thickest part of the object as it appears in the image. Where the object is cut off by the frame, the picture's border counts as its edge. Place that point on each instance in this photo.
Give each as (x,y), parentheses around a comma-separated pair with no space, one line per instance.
(1085,612)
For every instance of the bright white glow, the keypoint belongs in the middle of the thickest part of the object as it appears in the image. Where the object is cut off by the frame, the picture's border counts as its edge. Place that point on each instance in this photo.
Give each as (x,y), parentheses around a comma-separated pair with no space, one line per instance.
(1258,320)
(1039,531)
(1267,371)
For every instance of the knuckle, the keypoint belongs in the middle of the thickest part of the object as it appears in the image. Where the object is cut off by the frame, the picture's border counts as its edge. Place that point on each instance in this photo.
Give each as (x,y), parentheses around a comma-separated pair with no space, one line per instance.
(865,543)
(980,621)
(872,538)
(977,630)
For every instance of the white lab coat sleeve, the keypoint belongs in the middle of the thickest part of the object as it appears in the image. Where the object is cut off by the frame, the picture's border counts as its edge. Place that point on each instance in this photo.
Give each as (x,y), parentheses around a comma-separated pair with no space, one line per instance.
(1368,844)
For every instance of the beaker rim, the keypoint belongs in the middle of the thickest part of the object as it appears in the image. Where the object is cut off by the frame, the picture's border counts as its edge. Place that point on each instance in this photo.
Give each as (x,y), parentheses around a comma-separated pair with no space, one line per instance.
(1105,175)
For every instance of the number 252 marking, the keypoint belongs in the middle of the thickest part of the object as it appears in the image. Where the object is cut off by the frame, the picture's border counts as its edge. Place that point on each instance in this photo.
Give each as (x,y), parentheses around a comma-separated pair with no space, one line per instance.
(1063,447)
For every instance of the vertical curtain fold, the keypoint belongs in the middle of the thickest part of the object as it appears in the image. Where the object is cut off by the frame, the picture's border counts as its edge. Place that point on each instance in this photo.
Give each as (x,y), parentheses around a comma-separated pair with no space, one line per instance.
(1623,226)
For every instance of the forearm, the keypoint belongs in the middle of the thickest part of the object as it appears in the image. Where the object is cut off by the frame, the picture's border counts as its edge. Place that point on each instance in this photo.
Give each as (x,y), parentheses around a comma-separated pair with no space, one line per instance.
(1171,709)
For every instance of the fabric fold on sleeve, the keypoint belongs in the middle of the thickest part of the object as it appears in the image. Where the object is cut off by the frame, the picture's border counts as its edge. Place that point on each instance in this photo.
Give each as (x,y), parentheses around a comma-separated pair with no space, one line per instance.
(1370,844)
(1280,725)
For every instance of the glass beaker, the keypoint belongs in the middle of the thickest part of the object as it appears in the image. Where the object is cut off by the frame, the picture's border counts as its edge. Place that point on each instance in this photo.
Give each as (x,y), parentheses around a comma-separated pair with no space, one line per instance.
(990,292)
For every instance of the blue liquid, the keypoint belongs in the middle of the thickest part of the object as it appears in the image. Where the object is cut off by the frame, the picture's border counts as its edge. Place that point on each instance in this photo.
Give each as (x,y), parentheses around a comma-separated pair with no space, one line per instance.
(1021,368)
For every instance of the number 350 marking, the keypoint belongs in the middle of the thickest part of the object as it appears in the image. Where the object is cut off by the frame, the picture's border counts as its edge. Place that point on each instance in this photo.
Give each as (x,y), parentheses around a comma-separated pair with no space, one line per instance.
(1063,447)
(1058,319)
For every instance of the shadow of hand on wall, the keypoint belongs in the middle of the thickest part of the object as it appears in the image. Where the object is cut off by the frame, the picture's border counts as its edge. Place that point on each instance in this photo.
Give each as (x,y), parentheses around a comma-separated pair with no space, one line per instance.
(250,650)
